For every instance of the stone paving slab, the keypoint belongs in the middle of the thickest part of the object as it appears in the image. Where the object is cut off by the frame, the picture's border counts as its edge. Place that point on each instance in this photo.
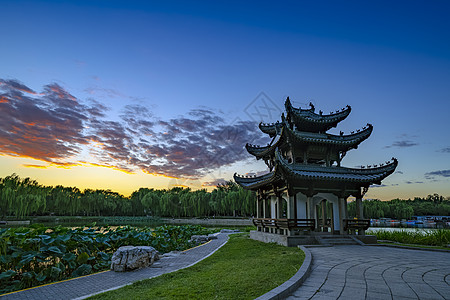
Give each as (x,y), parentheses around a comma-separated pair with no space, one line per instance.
(366,272)
(82,287)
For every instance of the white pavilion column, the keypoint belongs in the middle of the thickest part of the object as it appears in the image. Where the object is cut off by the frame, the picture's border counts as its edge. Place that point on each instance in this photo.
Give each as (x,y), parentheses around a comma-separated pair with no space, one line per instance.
(302,206)
(273,211)
(273,207)
(291,213)
(310,208)
(341,215)
(336,220)
(258,207)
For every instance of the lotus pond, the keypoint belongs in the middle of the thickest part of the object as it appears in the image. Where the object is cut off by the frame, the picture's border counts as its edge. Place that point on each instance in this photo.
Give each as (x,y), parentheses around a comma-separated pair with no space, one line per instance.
(36,255)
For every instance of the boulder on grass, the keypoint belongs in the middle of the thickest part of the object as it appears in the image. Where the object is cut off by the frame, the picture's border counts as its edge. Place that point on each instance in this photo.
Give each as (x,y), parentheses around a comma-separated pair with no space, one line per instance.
(199,239)
(128,258)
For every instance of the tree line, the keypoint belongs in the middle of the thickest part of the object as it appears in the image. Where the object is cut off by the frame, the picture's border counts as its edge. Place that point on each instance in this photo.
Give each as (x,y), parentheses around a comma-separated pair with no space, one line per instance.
(20,197)
(432,205)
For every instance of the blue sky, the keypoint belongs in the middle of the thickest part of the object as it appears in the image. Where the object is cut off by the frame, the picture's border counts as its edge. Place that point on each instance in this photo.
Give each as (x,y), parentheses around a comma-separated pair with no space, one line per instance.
(157,85)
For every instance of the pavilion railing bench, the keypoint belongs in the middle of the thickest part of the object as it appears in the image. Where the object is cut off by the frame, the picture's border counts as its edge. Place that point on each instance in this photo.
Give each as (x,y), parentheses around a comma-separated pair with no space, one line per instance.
(360,224)
(289,224)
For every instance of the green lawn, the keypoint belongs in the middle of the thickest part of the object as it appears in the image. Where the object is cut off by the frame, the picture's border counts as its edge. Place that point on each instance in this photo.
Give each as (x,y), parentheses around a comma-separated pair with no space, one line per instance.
(242,269)
(414,245)
(437,237)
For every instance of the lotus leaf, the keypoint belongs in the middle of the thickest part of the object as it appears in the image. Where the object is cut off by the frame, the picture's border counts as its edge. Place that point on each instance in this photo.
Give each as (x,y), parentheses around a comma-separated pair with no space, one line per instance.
(8,274)
(84,269)
(83,258)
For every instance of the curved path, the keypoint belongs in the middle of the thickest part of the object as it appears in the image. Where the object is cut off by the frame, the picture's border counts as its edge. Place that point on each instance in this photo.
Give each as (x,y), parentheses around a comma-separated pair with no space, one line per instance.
(374,272)
(82,287)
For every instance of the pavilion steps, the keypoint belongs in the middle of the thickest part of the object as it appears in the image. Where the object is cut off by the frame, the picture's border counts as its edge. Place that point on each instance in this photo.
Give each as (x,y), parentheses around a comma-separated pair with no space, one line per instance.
(335,240)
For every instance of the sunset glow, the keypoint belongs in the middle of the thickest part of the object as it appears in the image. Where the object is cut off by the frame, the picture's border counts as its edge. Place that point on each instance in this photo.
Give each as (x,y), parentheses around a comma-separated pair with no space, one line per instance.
(150,94)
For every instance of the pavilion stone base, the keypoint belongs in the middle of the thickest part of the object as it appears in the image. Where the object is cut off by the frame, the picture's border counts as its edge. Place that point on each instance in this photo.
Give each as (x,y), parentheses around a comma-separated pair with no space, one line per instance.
(284,240)
(310,239)
(367,239)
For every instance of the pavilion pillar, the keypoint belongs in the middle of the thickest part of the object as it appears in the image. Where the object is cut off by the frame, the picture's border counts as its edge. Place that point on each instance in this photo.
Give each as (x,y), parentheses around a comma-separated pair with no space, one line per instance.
(345,209)
(273,207)
(280,207)
(341,215)
(291,213)
(279,212)
(291,210)
(359,213)
(359,208)
(324,216)
(316,217)
(310,214)
(302,206)
(258,206)
(264,208)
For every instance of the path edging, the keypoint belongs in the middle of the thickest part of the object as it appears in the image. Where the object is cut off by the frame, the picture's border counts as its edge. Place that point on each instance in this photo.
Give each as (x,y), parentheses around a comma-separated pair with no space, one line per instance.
(290,286)
(410,248)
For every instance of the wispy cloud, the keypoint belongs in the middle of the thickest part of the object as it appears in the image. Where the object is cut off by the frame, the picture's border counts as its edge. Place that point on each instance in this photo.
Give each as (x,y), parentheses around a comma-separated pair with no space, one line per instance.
(445,150)
(413,182)
(404,141)
(15,85)
(106,92)
(214,182)
(440,173)
(403,144)
(55,127)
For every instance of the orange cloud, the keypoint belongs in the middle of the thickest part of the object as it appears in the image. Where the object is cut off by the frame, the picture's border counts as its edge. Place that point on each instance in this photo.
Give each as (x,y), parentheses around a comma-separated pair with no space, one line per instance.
(35,166)
(110,167)
(64,165)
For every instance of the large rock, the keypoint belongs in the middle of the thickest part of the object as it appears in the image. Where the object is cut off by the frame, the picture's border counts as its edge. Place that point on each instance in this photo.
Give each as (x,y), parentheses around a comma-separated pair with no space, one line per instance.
(128,258)
(201,239)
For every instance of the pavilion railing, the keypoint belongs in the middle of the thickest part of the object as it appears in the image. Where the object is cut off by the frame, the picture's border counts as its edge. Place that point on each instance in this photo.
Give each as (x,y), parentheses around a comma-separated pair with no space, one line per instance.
(289,224)
(327,223)
(360,224)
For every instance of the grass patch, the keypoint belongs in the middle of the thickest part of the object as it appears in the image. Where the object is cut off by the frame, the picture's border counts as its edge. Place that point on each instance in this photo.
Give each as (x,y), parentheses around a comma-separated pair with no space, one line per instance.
(242,269)
(438,237)
(414,245)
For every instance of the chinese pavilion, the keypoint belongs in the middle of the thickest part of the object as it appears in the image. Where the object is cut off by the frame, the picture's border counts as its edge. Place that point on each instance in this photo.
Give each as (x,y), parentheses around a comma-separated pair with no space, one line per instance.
(306,189)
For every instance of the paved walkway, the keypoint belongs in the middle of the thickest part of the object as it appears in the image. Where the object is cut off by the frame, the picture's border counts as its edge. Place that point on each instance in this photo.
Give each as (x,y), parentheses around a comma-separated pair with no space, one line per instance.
(374,272)
(80,288)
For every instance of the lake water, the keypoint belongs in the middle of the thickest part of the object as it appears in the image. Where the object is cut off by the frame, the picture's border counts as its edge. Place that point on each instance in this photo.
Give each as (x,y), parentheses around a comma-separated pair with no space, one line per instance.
(375,229)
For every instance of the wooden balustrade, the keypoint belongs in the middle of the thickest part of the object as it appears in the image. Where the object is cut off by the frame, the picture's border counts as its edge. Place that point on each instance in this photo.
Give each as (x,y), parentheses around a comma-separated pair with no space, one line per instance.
(327,223)
(289,224)
(360,224)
